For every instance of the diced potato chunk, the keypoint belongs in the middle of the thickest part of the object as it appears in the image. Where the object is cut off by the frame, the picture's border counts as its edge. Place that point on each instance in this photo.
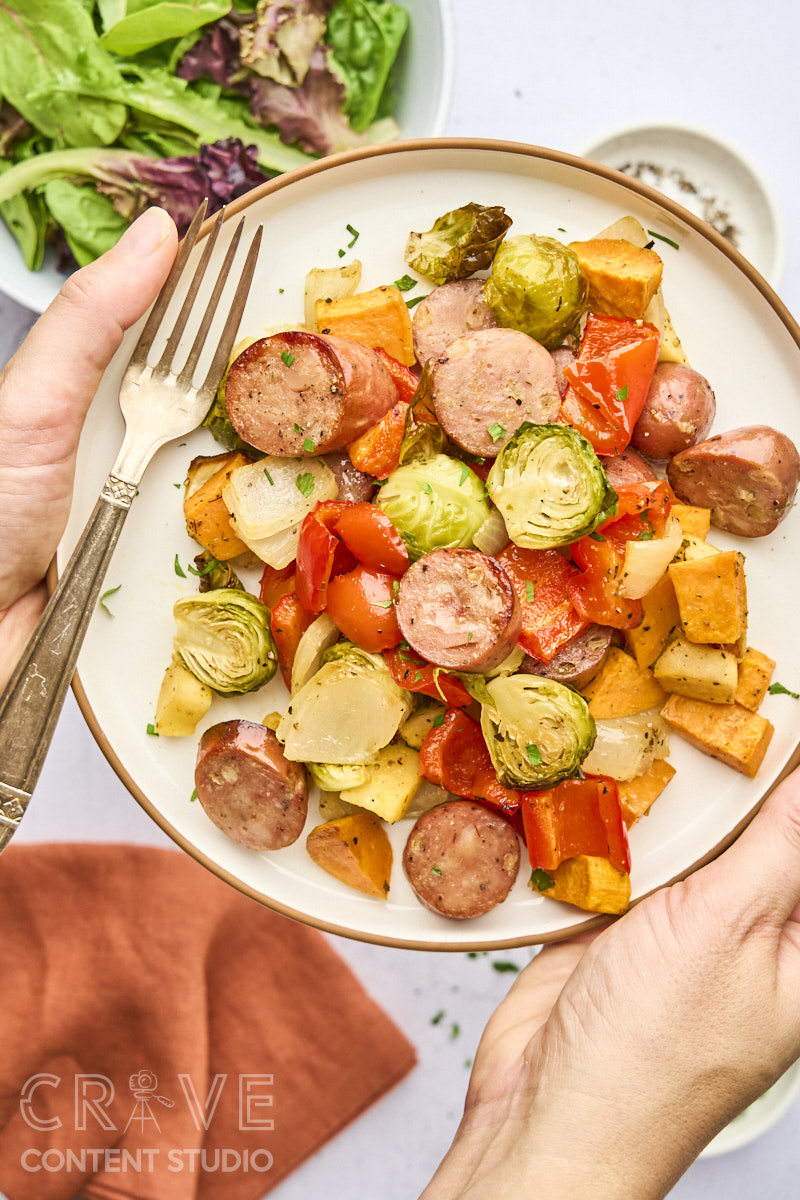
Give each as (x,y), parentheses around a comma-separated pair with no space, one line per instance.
(592,884)
(755,676)
(622,278)
(182,701)
(728,732)
(376,318)
(712,597)
(622,688)
(694,521)
(660,618)
(392,782)
(693,548)
(207,518)
(354,850)
(637,796)
(416,728)
(703,672)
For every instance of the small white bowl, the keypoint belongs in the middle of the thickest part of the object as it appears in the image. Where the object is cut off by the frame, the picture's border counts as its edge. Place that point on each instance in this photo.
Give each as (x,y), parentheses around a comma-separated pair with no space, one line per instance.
(708,177)
(424,89)
(760,1116)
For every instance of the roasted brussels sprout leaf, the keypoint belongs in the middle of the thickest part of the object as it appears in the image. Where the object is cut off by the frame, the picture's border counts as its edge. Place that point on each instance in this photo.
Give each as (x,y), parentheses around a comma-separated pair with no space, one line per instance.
(223,638)
(213,574)
(549,486)
(459,244)
(334,777)
(538,731)
(434,505)
(536,285)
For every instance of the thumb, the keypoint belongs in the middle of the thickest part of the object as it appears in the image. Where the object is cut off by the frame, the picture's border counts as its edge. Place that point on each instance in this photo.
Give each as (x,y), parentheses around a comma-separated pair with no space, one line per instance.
(48,385)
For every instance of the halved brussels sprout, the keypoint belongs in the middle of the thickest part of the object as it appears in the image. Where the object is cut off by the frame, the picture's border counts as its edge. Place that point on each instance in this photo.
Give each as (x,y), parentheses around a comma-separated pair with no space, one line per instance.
(538,731)
(536,285)
(423,436)
(348,652)
(435,504)
(217,420)
(224,639)
(334,777)
(459,244)
(213,574)
(549,485)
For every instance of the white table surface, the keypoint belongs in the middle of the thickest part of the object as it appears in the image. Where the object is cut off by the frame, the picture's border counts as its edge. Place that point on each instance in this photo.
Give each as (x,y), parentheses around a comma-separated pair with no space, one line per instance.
(561,78)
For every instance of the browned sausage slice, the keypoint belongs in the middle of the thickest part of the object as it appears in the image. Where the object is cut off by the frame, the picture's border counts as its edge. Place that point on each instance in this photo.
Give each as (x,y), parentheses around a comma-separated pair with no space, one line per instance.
(493,380)
(578,661)
(248,788)
(353,484)
(747,477)
(448,312)
(625,468)
(457,609)
(299,393)
(679,411)
(461,860)
(563,356)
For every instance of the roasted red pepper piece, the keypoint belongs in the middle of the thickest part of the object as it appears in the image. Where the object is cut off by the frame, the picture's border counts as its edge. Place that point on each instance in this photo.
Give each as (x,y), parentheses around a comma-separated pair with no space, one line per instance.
(541,580)
(372,538)
(641,512)
(377,452)
(276,583)
(595,591)
(361,605)
(579,816)
(454,756)
(413,673)
(288,622)
(403,377)
(611,376)
(320,554)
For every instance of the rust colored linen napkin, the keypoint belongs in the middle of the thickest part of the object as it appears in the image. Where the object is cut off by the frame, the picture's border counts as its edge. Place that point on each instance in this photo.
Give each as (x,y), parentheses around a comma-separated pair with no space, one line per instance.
(166,1038)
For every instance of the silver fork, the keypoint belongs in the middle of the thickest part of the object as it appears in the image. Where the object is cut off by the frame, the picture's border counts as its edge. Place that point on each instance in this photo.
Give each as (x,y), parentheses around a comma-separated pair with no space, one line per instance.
(158,404)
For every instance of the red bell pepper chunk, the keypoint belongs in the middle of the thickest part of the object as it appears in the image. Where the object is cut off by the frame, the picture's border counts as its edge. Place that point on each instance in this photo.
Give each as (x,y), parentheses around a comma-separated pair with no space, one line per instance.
(372,538)
(320,554)
(612,375)
(413,673)
(641,512)
(595,591)
(541,580)
(377,452)
(403,377)
(288,622)
(579,816)
(275,583)
(455,756)
(361,605)
(581,415)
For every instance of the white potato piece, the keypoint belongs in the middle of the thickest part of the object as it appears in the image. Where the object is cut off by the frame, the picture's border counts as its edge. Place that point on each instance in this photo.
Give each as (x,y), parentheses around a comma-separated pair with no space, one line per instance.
(392,782)
(182,701)
(698,671)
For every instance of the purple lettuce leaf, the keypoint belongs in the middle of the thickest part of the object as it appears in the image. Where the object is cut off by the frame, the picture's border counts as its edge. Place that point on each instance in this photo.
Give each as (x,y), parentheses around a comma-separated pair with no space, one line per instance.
(311,114)
(215,55)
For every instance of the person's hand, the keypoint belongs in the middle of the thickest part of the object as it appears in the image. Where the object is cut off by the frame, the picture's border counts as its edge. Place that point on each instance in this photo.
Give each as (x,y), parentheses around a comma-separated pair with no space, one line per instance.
(45,391)
(615,1058)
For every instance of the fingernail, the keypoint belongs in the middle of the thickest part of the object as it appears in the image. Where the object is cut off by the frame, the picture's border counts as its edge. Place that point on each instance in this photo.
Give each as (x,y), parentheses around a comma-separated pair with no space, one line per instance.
(146,233)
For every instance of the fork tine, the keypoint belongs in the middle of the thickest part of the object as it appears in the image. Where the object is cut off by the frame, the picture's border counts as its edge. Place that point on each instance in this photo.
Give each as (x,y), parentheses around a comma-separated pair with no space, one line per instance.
(142,347)
(186,374)
(168,356)
(228,336)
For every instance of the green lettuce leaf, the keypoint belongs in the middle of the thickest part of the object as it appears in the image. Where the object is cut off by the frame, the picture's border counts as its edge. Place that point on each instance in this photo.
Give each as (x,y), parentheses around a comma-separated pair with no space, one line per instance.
(145,23)
(365,38)
(90,222)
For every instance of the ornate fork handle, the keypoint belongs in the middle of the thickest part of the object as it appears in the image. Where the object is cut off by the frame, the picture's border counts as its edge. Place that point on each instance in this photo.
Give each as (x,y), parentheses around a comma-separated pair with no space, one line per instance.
(35,695)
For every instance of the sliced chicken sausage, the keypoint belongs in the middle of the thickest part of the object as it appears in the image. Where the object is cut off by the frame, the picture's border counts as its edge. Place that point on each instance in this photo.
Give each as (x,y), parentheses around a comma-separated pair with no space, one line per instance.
(461,859)
(487,383)
(353,484)
(457,609)
(248,788)
(747,477)
(448,312)
(578,661)
(678,412)
(625,468)
(299,393)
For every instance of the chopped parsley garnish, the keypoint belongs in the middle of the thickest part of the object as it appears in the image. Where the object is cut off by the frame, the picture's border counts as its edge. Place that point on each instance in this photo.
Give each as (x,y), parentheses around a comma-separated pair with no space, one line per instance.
(777,689)
(561,229)
(541,880)
(418,676)
(308,446)
(597,537)
(297,428)
(395,588)
(287,358)
(534,754)
(503,966)
(177,485)
(464,474)
(194,794)
(647,534)
(468,1063)
(269,477)
(436,870)
(496,432)
(438,720)
(455,1030)
(470,636)
(438,1017)
(383,603)
(426,488)
(151,730)
(179,569)
(405,283)
(529,591)
(354,234)
(305,483)
(110,592)
(622,393)
(207,569)
(661,238)
(416,300)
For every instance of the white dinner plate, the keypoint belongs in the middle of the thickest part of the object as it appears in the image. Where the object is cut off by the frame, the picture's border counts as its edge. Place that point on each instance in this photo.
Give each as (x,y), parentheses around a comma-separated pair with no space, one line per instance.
(734,330)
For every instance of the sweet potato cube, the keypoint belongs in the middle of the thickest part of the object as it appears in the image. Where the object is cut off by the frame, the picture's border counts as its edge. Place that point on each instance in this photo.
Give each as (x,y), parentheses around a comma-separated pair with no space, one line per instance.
(376,318)
(694,521)
(207,518)
(703,672)
(354,850)
(622,278)
(728,732)
(712,597)
(755,676)
(660,617)
(622,688)
(592,884)
(637,796)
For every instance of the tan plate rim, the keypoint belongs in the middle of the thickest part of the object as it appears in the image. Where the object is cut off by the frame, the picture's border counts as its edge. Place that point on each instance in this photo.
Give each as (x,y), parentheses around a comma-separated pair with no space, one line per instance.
(437,144)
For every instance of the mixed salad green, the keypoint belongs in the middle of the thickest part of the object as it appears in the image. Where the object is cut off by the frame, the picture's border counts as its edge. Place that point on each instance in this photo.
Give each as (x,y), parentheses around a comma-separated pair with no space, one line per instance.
(108,106)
